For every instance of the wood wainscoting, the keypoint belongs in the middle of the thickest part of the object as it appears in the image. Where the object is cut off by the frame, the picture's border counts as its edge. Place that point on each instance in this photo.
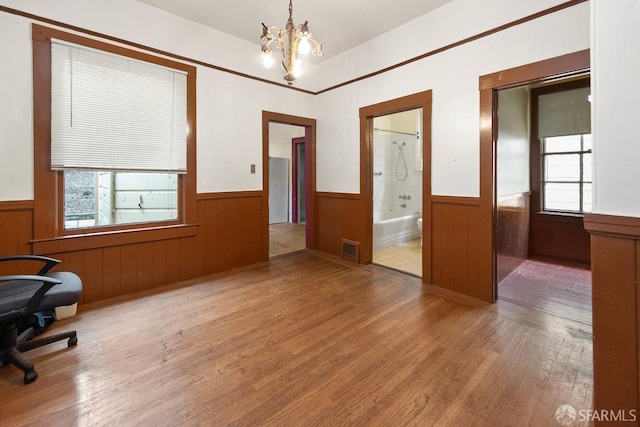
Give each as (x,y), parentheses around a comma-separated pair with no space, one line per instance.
(512,234)
(229,235)
(338,216)
(559,236)
(615,266)
(455,262)
(16,231)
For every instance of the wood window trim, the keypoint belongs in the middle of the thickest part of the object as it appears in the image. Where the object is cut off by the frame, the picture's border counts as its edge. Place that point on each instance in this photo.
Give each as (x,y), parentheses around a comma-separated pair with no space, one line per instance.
(535,152)
(49,234)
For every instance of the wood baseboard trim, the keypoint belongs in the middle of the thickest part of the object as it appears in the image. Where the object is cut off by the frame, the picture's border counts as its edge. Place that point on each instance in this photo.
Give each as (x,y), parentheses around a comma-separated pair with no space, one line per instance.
(455,296)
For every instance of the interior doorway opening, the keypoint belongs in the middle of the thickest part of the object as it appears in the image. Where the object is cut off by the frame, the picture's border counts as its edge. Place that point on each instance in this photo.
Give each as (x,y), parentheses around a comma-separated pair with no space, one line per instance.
(288,183)
(413,158)
(542,188)
(397,191)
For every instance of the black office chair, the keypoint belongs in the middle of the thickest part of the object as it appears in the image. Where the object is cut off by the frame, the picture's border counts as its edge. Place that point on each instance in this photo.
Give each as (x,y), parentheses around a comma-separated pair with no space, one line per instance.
(23,295)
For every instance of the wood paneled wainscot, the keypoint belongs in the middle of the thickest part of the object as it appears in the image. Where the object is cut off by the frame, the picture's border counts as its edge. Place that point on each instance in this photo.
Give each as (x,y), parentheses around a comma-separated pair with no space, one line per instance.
(512,235)
(227,235)
(455,247)
(559,236)
(338,216)
(615,266)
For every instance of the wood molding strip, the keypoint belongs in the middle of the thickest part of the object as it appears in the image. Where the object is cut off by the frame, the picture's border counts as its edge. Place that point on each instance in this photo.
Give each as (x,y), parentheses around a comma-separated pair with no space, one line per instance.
(459,43)
(16,205)
(331,195)
(557,218)
(146,48)
(82,242)
(456,200)
(612,225)
(450,46)
(229,195)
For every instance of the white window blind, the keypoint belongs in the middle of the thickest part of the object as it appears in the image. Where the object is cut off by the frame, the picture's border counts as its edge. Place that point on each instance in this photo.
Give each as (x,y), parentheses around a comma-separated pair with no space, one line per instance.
(110,112)
(564,113)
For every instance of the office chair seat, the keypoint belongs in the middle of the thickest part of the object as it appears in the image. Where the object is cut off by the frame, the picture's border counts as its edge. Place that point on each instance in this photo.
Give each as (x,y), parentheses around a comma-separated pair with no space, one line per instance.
(17,293)
(23,295)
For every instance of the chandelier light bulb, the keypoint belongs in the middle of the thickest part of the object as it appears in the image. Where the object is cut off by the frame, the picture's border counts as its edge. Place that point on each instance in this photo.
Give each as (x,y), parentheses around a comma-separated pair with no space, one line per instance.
(304,47)
(267,56)
(267,60)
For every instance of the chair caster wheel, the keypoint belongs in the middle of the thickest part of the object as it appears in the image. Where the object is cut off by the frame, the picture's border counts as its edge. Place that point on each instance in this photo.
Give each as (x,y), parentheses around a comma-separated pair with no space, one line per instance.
(72,341)
(30,377)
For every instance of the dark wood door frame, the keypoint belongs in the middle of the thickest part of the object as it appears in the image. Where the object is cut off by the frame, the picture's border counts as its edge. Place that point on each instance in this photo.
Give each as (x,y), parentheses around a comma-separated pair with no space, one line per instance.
(562,66)
(310,136)
(295,143)
(367,114)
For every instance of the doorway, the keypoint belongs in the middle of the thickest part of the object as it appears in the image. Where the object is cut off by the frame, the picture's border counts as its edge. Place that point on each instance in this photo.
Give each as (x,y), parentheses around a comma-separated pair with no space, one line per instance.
(397,191)
(289,183)
(395,184)
(539,238)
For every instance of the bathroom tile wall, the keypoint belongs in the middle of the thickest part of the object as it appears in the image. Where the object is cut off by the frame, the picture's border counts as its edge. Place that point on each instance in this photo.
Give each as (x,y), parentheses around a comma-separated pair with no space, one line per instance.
(400,183)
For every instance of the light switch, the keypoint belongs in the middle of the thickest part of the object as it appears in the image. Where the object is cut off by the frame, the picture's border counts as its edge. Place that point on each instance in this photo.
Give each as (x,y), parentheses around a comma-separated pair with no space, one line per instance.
(253,168)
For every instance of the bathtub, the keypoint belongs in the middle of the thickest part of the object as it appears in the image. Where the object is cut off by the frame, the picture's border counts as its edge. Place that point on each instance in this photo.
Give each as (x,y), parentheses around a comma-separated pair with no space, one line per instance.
(391,228)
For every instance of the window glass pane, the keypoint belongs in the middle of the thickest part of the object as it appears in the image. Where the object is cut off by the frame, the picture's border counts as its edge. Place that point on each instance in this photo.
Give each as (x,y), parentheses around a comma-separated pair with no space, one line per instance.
(586,167)
(559,144)
(587,196)
(562,167)
(79,199)
(587,141)
(562,197)
(122,198)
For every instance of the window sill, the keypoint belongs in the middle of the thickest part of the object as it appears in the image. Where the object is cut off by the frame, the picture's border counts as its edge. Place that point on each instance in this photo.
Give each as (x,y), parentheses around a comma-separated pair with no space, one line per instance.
(572,218)
(106,239)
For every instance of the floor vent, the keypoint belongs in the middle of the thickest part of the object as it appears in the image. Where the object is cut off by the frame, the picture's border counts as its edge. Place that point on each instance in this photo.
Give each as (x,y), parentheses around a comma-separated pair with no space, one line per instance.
(350,250)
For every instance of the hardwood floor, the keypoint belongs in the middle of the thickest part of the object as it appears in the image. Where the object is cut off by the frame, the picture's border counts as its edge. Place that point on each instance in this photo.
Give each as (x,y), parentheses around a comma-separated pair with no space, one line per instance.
(557,287)
(286,237)
(302,340)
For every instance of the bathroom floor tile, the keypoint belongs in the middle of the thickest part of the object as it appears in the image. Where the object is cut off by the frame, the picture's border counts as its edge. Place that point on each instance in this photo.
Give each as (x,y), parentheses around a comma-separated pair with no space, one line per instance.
(406,257)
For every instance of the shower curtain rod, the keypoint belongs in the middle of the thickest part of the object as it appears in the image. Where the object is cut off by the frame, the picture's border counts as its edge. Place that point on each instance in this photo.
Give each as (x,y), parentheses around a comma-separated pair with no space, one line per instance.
(395,131)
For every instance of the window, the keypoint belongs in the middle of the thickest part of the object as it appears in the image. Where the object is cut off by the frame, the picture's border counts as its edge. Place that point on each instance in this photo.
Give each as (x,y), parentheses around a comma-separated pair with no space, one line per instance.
(561,147)
(109,114)
(114,143)
(566,164)
(104,198)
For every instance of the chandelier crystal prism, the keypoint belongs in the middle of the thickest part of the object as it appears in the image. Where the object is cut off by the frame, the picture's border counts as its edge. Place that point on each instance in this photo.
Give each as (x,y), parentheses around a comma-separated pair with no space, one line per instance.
(291,41)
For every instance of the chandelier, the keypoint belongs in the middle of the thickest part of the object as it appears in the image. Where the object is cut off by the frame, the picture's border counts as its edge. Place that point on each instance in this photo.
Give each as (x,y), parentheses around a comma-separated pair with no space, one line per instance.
(291,41)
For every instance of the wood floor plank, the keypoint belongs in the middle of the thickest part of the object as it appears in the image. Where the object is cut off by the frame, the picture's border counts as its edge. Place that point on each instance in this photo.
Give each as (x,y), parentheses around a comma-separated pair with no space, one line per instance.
(305,339)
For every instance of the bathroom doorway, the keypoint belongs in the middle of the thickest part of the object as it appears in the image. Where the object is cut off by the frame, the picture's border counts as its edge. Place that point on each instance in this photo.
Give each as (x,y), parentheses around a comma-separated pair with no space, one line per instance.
(395,177)
(397,191)
(289,182)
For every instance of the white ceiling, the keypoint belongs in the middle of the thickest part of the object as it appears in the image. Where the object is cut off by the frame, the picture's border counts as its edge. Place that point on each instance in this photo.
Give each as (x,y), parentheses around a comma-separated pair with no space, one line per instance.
(339,24)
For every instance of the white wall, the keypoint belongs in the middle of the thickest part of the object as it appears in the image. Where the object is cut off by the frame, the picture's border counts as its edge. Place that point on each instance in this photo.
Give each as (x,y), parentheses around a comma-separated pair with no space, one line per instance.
(229,107)
(513,142)
(16,127)
(452,75)
(616,106)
